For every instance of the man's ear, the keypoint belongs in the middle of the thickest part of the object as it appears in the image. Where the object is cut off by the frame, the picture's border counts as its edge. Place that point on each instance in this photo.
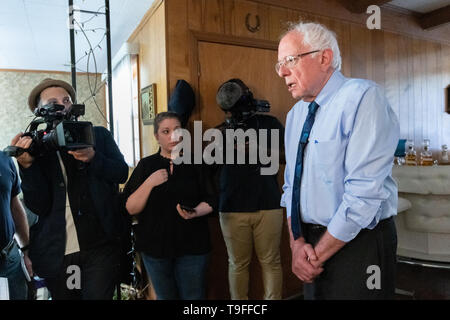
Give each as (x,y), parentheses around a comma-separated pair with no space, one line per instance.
(327,59)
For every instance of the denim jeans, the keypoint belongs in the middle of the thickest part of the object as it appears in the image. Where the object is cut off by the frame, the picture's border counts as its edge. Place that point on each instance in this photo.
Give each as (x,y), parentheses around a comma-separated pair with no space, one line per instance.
(11,268)
(178,278)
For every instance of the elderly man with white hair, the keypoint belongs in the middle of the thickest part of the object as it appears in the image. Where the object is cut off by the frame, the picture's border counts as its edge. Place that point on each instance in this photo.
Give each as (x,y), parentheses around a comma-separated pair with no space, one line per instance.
(339,193)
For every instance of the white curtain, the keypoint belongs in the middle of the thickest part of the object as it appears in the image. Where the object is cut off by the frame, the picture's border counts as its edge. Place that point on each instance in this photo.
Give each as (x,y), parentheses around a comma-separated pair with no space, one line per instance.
(124,119)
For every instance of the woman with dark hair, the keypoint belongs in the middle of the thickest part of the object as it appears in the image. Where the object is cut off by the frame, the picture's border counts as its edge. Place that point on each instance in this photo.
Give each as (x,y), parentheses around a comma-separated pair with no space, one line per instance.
(171,201)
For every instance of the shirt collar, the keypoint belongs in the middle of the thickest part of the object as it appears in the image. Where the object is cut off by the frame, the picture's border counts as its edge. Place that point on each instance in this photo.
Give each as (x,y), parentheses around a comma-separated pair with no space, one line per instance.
(330,88)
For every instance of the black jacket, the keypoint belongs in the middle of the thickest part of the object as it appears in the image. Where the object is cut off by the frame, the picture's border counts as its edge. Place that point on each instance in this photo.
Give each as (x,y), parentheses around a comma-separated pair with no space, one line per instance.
(242,187)
(45,193)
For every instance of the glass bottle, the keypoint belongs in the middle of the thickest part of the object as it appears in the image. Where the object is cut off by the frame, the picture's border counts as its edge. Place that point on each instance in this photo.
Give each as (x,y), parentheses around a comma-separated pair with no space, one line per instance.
(426,157)
(410,157)
(444,154)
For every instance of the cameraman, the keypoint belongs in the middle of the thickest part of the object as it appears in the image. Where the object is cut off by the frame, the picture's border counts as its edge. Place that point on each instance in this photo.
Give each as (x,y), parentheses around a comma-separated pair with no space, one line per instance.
(75,243)
(249,209)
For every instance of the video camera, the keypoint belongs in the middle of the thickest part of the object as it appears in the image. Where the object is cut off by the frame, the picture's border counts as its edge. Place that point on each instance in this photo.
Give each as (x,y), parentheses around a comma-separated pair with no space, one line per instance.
(235,97)
(62,132)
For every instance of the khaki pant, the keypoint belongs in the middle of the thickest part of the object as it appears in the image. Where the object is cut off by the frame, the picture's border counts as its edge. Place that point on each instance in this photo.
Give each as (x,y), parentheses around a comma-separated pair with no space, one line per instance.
(262,230)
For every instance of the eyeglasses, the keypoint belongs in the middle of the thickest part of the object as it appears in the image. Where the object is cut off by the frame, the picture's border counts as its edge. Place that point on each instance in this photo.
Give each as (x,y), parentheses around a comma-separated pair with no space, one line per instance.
(290,61)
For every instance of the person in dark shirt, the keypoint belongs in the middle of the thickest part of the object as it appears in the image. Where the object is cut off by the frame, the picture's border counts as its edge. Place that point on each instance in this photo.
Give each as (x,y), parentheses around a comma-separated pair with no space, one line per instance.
(13,220)
(75,243)
(251,216)
(174,242)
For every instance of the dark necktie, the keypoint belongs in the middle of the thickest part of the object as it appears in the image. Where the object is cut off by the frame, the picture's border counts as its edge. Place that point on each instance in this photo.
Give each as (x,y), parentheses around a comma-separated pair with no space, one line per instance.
(295,208)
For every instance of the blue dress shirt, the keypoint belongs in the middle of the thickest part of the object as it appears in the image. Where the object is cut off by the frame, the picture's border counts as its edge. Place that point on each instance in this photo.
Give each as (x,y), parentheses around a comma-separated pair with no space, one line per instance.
(347,180)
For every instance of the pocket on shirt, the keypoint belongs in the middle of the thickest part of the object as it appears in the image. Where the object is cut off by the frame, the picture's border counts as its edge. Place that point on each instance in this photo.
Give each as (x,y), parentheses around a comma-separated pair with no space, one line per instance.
(328,152)
(329,157)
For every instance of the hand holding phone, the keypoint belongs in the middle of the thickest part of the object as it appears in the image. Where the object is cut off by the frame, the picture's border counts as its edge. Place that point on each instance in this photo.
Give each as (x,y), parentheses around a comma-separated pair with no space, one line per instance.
(188,209)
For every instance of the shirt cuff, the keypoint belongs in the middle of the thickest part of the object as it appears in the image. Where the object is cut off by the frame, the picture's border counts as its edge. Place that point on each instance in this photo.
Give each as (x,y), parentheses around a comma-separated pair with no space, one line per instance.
(284,204)
(343,229)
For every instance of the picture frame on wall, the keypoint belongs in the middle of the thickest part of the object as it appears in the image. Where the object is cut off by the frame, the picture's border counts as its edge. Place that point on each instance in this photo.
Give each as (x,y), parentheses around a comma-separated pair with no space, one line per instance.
(148,104)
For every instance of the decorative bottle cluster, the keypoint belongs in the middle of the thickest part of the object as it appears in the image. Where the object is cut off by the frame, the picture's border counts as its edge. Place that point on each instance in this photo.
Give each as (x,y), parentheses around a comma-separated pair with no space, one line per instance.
(410,157)
(426,157)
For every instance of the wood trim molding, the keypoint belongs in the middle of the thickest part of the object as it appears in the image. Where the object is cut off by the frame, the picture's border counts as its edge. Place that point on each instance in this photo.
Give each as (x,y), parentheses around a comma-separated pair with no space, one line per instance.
(394,20)
(435,18)
(403,11)
(233,40)
(361,5)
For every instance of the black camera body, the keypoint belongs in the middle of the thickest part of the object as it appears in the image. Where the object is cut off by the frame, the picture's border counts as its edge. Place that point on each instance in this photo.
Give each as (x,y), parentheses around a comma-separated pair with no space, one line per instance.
(62,131)
(235,97)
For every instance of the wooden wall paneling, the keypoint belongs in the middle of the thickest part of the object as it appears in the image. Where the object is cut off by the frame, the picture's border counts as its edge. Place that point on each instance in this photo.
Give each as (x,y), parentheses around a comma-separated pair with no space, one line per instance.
(419,85)
(213,16)
(434,105)
(239,14)
(411,92)
(423,108)
(178,43)
(392,19)
(152,67)
(424,77)
(263,13)
(277,22)
(195,17)
(368,34)
(403,83)
(358,52)
(296,16)
(344,40)
(377,58)
(320,19)
(228,8)
(392,73)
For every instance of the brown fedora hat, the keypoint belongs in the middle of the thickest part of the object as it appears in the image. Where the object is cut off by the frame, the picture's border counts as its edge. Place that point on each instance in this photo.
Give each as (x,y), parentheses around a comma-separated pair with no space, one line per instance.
(47,83)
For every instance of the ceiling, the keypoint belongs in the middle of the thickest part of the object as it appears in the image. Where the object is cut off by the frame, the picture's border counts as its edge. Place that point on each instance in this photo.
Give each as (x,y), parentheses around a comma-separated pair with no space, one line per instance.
(421,6)
(35,35)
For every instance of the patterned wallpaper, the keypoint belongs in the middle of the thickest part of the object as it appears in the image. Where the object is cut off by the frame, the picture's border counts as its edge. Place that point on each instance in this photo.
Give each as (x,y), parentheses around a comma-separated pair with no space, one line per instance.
(15,87)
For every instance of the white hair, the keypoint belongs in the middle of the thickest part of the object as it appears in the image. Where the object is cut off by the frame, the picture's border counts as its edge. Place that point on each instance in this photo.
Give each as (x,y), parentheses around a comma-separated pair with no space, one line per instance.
(318,37)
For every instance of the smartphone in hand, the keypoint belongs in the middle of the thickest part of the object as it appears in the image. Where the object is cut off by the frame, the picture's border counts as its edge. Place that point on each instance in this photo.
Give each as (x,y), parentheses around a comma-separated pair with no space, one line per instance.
(188,209)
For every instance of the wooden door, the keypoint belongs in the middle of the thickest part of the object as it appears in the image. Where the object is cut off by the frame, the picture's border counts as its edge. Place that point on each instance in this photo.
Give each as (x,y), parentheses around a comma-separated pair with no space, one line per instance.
(217,64)
(255,66)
